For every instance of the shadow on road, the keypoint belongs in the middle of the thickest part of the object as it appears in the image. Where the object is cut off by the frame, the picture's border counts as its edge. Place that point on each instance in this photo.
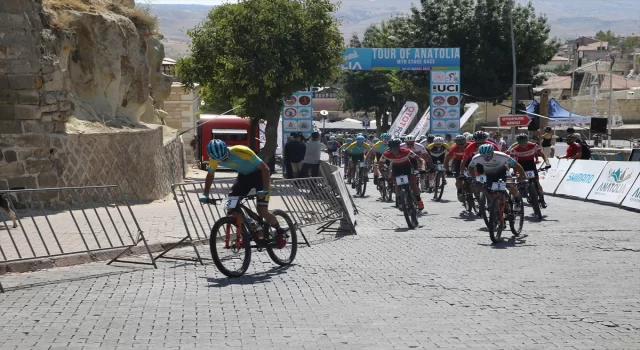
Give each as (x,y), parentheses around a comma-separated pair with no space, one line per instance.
(513,242)
(262,277)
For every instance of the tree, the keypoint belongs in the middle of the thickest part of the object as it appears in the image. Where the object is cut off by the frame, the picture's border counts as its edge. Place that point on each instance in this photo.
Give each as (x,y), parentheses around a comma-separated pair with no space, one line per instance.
(609,37)
(256,52)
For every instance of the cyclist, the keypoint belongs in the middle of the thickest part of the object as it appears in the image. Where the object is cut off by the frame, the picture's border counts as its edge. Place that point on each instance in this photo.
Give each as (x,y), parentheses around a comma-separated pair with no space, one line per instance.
(377,150)
(495,166)
(332,148)
(437,151)
(252,173)
(357,151)
(402,137)
(479,138)
(345,155)
(525,153)
(456,152)
(418,149)
(400,159)
(428,140)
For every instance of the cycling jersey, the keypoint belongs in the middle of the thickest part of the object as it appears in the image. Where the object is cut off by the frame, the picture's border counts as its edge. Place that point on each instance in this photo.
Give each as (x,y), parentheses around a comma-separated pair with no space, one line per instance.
(345,147)
(333,146)
(498,164)
(437,151)
(241,159)
(417,148)
(396,159)
(358,148)
(526,152)
(573,149)
(380,147)
(472,149)
(457,151)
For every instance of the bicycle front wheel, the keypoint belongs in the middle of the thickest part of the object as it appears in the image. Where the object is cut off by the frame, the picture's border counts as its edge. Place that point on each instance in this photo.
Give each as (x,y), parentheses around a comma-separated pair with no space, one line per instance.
(516,217)
(484,206)
(285,255)
(363,181)
(409,208)
(439,186)
(534,199)
(496,219)
(230,246)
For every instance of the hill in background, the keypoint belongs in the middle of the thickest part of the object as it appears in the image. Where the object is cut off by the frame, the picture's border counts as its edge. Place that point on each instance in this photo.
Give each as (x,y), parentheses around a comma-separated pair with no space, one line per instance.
(568,18)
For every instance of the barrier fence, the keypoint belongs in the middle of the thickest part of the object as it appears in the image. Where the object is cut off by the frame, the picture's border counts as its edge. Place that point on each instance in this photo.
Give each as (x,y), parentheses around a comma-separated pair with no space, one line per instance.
(89,220)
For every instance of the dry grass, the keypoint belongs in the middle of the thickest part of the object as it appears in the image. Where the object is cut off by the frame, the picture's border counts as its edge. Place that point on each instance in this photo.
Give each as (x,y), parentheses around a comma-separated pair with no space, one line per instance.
(141,17)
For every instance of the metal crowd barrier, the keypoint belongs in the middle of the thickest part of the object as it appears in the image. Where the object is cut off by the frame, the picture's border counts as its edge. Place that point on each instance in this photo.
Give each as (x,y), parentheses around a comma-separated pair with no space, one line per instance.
(199,218)
(91,219)
(313,201)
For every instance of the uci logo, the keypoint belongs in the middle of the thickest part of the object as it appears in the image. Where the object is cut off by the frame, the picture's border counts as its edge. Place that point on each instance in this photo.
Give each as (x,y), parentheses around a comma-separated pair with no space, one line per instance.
(446,88)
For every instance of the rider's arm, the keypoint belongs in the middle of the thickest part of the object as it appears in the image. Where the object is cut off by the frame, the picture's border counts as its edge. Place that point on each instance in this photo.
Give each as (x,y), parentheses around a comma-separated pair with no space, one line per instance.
(520,171)
(213,165)
(418,159)
(472,170)
(266,173)
(447,160)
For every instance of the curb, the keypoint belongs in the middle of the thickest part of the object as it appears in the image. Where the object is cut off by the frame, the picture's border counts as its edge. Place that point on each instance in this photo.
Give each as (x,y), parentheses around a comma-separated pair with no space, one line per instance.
(81,258)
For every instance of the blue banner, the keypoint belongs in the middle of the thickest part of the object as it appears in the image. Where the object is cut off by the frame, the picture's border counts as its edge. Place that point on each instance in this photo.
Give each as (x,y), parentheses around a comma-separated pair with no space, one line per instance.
(445,102)
(401,59)
(297,115)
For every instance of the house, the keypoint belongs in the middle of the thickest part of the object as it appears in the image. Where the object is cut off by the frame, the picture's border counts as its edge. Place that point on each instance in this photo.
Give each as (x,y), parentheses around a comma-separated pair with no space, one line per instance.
(594,51)
(560,85)
(556,61)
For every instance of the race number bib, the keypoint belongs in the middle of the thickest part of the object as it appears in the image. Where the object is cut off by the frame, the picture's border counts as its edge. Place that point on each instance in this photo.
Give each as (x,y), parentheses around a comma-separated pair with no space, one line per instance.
(498,186)
(402,180)
(466,173)
(530,174)
(231,202)
(363,164)
(439,167)
(481,178)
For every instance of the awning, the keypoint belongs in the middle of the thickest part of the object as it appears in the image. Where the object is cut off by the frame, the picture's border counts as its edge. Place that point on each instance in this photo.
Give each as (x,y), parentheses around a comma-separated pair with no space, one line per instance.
(228,131)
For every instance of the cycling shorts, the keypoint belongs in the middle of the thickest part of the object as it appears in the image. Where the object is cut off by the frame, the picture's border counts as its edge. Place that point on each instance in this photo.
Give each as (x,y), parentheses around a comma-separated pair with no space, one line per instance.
(245,183)
(457,171)
(404,169)
(357,158)
(493,177)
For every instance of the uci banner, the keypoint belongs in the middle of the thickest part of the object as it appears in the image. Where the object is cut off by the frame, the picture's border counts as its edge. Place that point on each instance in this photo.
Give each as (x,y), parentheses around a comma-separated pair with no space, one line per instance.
(404,119)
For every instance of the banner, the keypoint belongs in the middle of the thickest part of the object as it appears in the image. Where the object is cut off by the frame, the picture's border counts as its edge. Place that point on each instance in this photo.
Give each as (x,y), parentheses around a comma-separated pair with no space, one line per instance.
(467,115)
(633,198)
(580,178)
(445,101)
(615,182)
(423,125)
(400,59)
(550,179)
(404,119)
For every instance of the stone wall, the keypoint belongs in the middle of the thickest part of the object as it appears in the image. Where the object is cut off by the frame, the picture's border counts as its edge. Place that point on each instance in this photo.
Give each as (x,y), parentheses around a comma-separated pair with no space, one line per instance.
(141,161)
(181,108)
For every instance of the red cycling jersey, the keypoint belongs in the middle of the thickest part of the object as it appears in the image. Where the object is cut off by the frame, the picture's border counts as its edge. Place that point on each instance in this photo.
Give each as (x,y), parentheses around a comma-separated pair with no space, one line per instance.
(526,152)
(400,158)
(472,149)
(573,149)
(457,151)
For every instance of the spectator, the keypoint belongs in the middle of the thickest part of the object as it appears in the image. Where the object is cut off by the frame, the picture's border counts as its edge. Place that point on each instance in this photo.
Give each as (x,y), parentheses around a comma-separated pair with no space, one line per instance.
(502,144)
(294,152)
(287,164)
(546,141)
(314,149)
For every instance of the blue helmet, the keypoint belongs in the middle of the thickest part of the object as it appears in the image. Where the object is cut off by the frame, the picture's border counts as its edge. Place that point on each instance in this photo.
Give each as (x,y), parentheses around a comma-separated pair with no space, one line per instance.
(217,150)
(486,150)
(360,139)
(385,137)
(376,140)
(348,140)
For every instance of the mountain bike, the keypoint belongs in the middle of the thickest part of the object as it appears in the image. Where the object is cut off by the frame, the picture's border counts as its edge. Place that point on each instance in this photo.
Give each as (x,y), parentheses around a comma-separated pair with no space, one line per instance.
(529,190)
(469,201)
(439,182)
(504,207)
(385,185)
(407,200)
(334,159)
(231,237)
(361,178)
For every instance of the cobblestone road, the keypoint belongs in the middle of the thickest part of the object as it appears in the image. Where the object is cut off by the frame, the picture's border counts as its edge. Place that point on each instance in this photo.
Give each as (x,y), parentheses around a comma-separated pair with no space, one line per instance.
(571,282)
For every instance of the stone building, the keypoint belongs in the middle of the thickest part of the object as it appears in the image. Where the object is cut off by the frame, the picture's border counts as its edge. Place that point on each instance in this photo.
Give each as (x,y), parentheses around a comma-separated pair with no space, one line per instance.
(182,108)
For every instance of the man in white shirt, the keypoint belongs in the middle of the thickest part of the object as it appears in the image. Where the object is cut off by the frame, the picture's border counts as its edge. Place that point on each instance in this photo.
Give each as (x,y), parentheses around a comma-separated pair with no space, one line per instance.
(312,156)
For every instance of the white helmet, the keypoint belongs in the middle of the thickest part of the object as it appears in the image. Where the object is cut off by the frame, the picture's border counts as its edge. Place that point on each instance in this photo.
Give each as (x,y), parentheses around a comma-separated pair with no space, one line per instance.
(438,140)
(409,138)
(470,137)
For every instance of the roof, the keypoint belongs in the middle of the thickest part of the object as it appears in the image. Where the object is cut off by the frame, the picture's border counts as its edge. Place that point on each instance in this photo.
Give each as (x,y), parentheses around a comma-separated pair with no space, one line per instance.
(557,82)
(594,46)
(168,61)
(558,58)
(619,83)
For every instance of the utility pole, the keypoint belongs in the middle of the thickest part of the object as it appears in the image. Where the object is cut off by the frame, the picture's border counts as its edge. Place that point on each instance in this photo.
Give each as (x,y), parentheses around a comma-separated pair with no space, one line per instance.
(515,71)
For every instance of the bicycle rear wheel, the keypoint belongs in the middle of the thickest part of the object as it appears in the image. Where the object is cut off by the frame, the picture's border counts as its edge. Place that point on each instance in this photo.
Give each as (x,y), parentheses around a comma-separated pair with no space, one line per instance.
(363,181)
(534,199)
(390,192)
(230,246)
(496,219)
(484,205)
(286,255)
(439,187)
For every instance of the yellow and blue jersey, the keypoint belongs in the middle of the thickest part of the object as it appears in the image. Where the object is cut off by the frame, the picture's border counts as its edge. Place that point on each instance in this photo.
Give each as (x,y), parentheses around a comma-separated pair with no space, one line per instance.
(380,147)
(241,159)
(358,148)
(437,151)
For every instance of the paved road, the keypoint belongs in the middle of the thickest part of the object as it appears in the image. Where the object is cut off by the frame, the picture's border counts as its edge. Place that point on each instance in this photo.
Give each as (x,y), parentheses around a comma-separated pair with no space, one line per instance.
(572,282)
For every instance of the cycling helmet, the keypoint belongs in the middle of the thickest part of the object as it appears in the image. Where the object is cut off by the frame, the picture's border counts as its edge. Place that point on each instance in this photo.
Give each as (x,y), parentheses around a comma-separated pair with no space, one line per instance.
(410,138)
(430,138)
(376,140)
(460,140)
(385,137)
(522,137)
(217,150)
(485,150)
(438,140)
(332,138)
(403,137)
(360,139)
(480,136)
(420,138)
(349,140)
(395,143)
(469,137)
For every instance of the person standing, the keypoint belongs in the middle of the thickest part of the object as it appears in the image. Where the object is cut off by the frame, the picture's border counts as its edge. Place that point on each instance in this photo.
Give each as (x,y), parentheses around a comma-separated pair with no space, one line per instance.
(311,160)
(546,141)
(295,151)
(502,144)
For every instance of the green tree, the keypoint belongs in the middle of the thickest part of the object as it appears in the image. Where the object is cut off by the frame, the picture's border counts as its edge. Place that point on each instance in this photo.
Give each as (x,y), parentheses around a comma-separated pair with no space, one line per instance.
(608,36)
(256,52)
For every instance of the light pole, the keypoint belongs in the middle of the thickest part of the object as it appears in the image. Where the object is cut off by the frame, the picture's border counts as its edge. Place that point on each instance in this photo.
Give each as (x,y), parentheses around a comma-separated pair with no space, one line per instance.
(515,71)
(610,121)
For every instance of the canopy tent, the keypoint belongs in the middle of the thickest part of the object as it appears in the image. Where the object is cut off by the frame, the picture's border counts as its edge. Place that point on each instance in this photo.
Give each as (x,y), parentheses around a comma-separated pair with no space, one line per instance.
(558,116)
